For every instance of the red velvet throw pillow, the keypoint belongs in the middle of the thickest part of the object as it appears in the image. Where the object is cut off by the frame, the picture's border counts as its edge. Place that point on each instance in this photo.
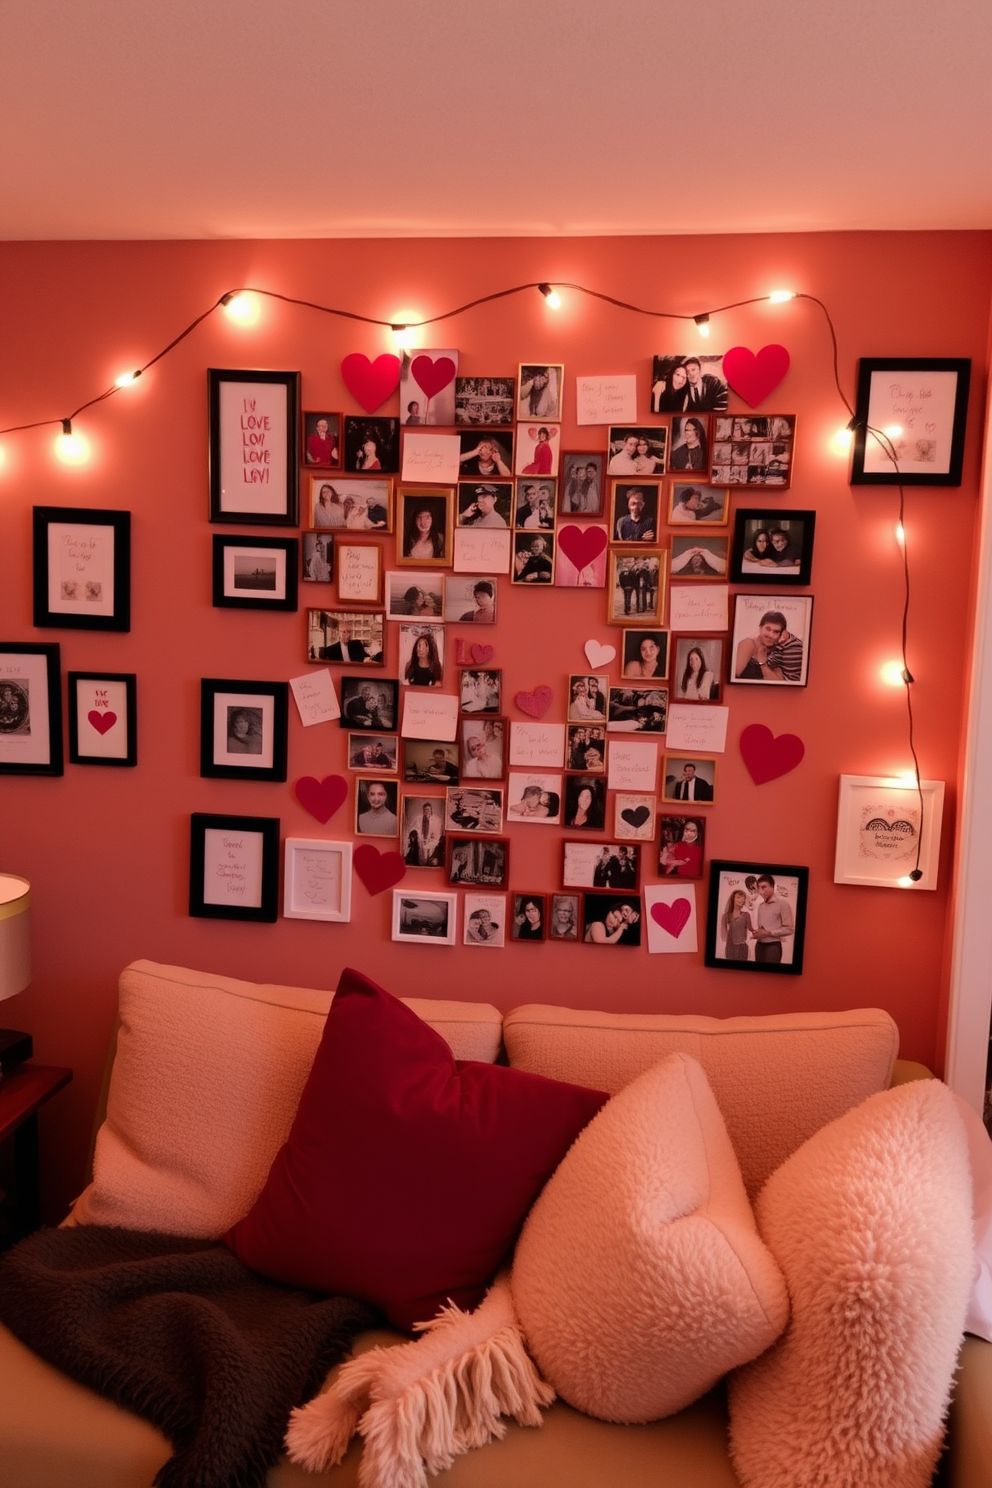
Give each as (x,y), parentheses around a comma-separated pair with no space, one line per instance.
(407,1175)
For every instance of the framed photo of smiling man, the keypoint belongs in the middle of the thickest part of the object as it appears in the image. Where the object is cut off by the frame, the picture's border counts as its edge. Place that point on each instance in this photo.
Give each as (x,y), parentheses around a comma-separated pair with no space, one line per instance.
(770,645)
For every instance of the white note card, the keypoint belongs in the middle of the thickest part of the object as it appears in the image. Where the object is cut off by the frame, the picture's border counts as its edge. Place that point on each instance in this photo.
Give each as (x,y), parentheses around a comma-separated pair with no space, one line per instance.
(698,728)
(431,457)
(606,400)
(432,716)
(315,698)
(694,607)
(633,765)
(483,550)
(540,745)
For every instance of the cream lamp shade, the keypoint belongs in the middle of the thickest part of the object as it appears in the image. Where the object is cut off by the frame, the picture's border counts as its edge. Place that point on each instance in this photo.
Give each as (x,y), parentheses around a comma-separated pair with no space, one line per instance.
(15,938)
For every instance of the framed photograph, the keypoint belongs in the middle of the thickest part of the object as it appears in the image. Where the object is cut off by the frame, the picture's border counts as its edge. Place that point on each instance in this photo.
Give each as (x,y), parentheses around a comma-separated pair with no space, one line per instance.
(469,600)
(370,705)
(421,661)
(469,809)
(634,816)
(430,761)
(586,748)
(694,503)
(424,917)
(538,448)
(926,400)
(682,842)
(485,504)
(690,449)
(82,568)
(424,526)
(699,557)
(645,653)
(418,594)
(772,547)
(243,729)
(757,917)
(539,390)
(770,644)
(585,802)
(485,457)
(371,445)
(317,880)
(534,505)
(255,573)
(692,382)
(483,744)
(611,919)
(635,589)
(601,865)
(234,867)
(377,807)
(254,418)
(582,483)
(587,697)
(534,796)
(358,505)
(359,566)
(483,862)
(484,400)
(530,917)
(566,914)
(636,451)
(485,920)
(688,778)
(533,558)
(883,826)
(317,553)
(480,689)
(637,710)
(373,752)
(322,440)
(634,511)
(103,718)
(753,450)
(422,836)
(425,397)
(351,637)
(30,709)
(698,669)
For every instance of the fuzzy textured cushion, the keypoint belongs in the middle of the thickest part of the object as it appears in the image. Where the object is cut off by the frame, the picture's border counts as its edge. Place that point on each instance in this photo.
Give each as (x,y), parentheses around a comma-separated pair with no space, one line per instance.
(206,1082)
(871,1222)
(639,1278)
(406,1176)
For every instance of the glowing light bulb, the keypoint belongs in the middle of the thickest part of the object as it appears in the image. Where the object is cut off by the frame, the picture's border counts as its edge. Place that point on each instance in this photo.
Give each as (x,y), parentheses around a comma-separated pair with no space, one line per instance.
(779,296)
(126,379)
(900,534)
(702,324)
(843,439)
(71,449)
(893,674)
(405,331)
(905,883)
(893,431)
(551,296)
(243,309)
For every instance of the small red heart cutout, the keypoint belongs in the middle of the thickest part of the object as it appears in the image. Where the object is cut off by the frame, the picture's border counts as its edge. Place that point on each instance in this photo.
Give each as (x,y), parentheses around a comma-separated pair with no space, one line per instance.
(321,797)
(768,757)
(481,654)
(535,703)
(672,917)
(370,383)
(102,722)
(430,375)
(755,376)
(581,545)
(378,870)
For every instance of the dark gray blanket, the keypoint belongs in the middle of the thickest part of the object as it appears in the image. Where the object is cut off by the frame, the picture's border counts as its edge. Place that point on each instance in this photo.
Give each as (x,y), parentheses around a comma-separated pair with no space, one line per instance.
(180,1332)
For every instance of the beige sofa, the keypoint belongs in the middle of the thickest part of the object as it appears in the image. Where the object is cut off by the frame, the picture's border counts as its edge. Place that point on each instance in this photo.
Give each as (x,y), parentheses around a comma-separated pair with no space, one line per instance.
(206,1076)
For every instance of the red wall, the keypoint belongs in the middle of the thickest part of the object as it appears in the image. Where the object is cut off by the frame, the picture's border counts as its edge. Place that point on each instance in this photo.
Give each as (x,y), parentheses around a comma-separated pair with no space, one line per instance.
(106,850)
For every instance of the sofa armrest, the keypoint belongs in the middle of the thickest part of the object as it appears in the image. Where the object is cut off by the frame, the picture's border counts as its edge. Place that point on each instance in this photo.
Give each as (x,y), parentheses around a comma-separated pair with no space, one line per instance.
(969,1456)
(906,1070)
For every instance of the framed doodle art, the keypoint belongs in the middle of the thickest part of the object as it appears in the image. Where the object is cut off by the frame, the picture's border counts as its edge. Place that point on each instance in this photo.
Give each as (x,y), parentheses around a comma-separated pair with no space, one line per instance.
(886,829)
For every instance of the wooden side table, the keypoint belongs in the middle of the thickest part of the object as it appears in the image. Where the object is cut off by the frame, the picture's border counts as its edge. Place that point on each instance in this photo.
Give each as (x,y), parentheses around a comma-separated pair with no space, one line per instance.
(22,1094)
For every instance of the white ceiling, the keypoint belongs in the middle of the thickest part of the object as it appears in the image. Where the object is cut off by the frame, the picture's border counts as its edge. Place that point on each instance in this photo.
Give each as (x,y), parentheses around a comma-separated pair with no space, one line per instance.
(350,118)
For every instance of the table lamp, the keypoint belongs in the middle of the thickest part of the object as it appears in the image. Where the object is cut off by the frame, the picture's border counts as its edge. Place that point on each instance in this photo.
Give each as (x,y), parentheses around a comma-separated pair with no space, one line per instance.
(15,962)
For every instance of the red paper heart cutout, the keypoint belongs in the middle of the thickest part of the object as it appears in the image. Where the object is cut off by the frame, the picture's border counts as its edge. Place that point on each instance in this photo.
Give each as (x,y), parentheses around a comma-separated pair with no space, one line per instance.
(481,654)
(755,376)
(581,545)
(321,797)
(672,917)
(370,383)
(635,816)
(378,870)
(432,377)
(768,757)
(102,722)
(535,703)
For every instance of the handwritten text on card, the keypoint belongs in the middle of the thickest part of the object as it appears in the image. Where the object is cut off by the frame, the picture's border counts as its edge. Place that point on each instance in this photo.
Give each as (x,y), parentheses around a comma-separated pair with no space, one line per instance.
(541,745)
(483,551)
(606,400)
(315,698)
(433,717)
(697,608)
(701,730)
(430,457)
(633,765)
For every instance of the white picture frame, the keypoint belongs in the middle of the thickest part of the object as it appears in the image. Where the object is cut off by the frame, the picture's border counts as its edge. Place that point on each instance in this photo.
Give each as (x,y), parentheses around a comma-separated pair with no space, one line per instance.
(317,880)
(424,919)
(871,810)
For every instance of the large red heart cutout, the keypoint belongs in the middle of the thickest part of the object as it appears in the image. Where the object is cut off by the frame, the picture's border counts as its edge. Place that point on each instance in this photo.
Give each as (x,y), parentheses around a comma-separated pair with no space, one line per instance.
(581,545)
(378,870)
(768,757)
(481,655)
(430,375)
(755,376)
(370,383)
(672,917)
(321,797)
(102,722)
(535,703)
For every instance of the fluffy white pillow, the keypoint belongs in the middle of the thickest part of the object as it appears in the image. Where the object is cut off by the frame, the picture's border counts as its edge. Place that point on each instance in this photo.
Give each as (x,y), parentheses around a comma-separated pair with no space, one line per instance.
(639,1278)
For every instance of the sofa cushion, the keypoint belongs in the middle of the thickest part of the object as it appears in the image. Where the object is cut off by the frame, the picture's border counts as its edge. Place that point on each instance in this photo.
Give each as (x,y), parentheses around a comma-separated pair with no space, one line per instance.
(871,1222)
(640,1278)
(777,1079)
(406,1176)
(206,1080)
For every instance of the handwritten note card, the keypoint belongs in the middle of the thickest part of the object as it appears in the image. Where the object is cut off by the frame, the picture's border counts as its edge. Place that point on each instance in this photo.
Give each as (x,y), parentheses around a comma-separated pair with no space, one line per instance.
(358,572)
(429,717)
(484,550)
(698,729)
(699,607)
(540,745)
(633,765)
(232,868)
(606,400)
(920,405)
(671,918)
(315,698)
(430,457)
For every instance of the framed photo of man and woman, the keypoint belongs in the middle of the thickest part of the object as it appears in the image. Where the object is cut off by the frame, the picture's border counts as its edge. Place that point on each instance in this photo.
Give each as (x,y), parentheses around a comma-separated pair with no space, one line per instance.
(772,547)
(691,382)
(770,642)
(757,917)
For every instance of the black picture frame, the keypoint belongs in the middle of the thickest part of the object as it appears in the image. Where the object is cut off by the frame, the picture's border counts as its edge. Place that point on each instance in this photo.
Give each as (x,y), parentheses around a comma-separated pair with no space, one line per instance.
(271,585)
(790,885)
(231,876)
(91,744)
(882,383)
(226,740)
(70,592)
(276,481)
(25,749)
(772,567)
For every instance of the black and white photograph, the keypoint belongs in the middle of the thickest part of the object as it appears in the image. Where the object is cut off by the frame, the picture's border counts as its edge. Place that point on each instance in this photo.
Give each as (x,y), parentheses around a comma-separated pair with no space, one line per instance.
(637,710)
(539,390)
(483,862)
(484,400)
(422,832)
(634,512)
(611,919)
(635,592)
(645,654)
(483,742)
(427,387)
(420,595)
(322,440)
(360,506)
(538,449)
(566,913)
(697,671)
(369,705)
(770,644)
(689,502)
(349,637)
(255,573)
(243,729)
(533,558)
(692,382)
(470,599)
(772,547)
(601,865)
(533,796)
(688,778)
(700,556)
(318,557)
(587,697)
(421,662)
(30,709)
(586,748)
(480,690)
(530,917)
(691,445)
(371,445)
(430,762)
(751,450)
(372,752)
(485,457)
(585,803)
(485,504)
(582,483)
(636,450)
(424,526)
(534,508)
(424,917)
(471,809)
(682,842)
(485,920)
(376,808)
(756,919)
